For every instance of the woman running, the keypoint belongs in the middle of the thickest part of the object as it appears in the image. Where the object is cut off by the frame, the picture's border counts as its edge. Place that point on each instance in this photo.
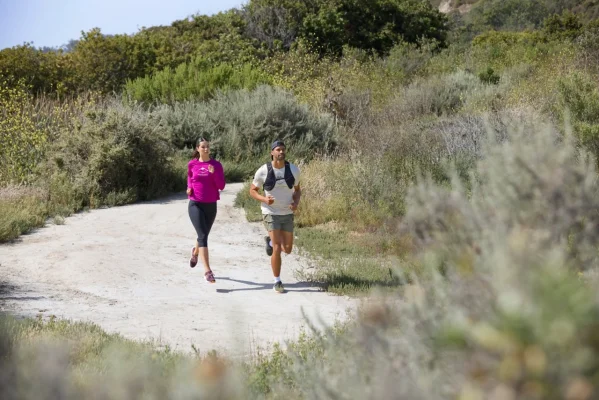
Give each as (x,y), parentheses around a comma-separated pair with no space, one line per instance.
(205,177)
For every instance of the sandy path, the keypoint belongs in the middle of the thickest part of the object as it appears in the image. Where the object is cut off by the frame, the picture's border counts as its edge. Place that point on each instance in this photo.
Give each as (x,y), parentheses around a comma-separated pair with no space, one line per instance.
(445,6)
(126,269)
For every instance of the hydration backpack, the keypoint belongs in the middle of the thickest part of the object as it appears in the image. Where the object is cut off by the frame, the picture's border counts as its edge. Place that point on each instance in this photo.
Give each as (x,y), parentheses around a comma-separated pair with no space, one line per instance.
(271,180)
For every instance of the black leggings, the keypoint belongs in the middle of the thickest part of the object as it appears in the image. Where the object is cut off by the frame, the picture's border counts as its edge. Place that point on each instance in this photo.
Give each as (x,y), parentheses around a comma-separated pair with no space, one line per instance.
(202,217)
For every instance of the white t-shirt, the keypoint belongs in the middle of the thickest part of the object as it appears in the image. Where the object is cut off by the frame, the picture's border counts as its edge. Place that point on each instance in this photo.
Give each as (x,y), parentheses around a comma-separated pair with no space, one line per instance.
(281,192)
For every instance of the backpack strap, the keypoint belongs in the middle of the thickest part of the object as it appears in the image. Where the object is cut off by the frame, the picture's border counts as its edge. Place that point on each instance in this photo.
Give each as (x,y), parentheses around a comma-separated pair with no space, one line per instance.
(289,178)
(270,181)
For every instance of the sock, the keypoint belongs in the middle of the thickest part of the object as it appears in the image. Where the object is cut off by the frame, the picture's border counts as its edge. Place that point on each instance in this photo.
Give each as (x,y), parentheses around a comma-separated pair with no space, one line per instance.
(277,279)
(270,243)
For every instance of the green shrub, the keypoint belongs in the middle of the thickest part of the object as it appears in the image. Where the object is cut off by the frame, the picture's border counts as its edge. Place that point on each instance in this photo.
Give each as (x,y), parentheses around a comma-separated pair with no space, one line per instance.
(197,80)
(513,15)
(250,205)
(566,26)
(242,124)
(501,50)
(539,175)
(21,210)
(70,360)
(440,95)
(509,316)
(489,76)
(410,59)
(588,43)
(117,155)
(579,95)
(22,141)
(365,186)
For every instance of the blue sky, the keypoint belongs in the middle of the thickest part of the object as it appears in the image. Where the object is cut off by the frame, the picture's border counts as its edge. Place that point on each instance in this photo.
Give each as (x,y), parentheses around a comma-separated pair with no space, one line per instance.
(54,22)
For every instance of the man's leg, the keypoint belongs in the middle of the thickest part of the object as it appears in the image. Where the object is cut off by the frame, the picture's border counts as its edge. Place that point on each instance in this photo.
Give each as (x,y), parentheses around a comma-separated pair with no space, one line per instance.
(276,236)
(287,241)
(287,233)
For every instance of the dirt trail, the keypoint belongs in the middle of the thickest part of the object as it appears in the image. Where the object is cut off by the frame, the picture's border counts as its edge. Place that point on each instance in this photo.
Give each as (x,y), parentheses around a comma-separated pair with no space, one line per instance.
(126,269)
(445,6)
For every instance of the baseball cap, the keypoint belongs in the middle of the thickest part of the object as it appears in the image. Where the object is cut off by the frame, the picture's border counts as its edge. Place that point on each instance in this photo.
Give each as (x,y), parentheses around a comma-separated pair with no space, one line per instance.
(276,143)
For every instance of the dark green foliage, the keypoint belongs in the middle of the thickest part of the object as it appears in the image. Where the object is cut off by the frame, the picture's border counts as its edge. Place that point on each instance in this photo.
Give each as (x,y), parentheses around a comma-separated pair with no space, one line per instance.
(42,71)
(564,26)
(580,97)
(489,76)
(374,25)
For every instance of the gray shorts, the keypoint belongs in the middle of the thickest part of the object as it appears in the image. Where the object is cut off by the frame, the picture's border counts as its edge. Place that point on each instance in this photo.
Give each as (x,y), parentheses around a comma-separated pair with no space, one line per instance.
(278,222)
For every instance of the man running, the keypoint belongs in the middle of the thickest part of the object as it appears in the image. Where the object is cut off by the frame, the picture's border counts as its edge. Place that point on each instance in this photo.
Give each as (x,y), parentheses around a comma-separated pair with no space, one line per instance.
(280,181)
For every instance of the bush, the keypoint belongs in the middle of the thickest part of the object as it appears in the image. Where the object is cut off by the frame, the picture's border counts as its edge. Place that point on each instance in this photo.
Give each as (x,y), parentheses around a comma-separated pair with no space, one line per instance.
(29,125)
(567,25)
(588,43)
(508,316)
(442,95)
(21,209)
(579,95)
(329,84)
(511,15)
(22,141)
(242,124)
(538,188)
(489,76)
(354,188)
(197,80)
(409,58)
(117,155)
(501,50)
(71,360)
(365,186)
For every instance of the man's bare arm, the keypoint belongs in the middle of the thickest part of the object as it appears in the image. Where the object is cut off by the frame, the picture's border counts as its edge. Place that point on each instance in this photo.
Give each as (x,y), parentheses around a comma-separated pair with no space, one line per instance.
(297,194)
(255,195)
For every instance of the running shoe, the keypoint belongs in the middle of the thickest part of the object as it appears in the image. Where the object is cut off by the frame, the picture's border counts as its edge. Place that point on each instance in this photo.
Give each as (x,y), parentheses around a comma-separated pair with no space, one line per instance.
(268,246)
(278,287)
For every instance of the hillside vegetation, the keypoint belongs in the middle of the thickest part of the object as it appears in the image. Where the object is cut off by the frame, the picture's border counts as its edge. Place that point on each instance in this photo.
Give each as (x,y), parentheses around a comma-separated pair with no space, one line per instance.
(449,166)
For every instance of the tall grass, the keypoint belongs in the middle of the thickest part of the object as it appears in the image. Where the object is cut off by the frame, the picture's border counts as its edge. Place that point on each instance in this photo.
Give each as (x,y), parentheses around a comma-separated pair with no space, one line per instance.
(58,359)
(22,210)
(22,142)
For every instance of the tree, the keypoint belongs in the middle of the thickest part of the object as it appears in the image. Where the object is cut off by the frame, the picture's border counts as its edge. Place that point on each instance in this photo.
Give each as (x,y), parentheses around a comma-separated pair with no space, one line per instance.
(105,63)
(41,71)
(567,25)
(508,14)
(270,25)
(329,25)
(375,25)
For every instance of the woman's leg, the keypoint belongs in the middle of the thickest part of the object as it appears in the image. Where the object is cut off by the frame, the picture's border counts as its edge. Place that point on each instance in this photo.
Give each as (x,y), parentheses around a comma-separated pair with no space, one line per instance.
(195,216)
(209,215)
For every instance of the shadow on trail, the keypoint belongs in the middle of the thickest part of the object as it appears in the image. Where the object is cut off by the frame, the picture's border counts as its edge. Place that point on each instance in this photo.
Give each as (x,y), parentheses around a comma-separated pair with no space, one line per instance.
(298,287)
(12,293)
